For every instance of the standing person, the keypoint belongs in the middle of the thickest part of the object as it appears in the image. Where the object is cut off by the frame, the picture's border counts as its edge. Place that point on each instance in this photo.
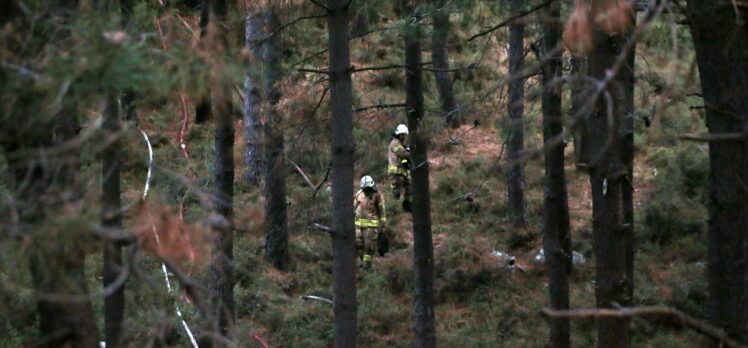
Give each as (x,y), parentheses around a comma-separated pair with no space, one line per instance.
(370,219)
(398,157)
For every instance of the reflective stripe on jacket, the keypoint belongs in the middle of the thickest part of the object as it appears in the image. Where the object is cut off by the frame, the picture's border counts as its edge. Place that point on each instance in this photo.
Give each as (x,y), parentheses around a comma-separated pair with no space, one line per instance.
(395,162)
(369,210)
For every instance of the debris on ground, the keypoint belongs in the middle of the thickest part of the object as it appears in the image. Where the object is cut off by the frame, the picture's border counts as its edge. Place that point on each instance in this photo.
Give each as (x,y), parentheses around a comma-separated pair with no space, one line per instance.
(576,258)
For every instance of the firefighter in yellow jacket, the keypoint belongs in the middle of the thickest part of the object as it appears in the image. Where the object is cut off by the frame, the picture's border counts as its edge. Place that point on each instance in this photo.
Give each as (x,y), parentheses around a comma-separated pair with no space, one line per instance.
(398,167)
(370,219)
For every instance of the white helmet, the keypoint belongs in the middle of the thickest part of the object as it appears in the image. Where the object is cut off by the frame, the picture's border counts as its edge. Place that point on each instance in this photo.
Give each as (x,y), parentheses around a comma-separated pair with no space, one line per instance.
(368,181)
(401,129)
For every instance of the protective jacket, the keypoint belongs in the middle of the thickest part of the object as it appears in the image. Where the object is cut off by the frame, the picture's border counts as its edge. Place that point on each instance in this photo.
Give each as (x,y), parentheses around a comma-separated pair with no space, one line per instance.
(397,157)
(369,210)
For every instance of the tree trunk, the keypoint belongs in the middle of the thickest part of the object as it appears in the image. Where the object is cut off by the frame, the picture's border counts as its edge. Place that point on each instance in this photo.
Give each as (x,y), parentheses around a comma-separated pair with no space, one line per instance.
(222,273)
(721,52)
(203,109)
(515,178)
(45,188)
(341,126)
(423,252)
(114,303)
(440,58)
(628,84)
(556,236)
(252,122)
(276,228)
(361,18)
(608,178)
(579,116)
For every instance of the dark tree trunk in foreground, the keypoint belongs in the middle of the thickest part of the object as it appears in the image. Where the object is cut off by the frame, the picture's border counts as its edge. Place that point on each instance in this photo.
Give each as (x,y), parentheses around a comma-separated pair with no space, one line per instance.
(721,53)
(203,110)
(341,126)
(579,116)
(47,198)
(515,177)
(222,273)
(628,83)
(252,101)
(114,303)
(608,178)
(423,251)
(440,58)
(276,228)
(556,236)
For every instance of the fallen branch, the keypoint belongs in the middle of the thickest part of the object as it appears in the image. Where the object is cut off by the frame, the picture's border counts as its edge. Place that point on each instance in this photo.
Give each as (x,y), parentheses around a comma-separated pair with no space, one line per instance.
(651,311)
(317,298)
(323,228)
(710,137)
(380,106)
(303,175)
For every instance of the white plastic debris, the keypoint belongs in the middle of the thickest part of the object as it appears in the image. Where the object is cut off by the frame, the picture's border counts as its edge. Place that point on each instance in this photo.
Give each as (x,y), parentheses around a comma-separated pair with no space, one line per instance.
(507,261)
(576,258)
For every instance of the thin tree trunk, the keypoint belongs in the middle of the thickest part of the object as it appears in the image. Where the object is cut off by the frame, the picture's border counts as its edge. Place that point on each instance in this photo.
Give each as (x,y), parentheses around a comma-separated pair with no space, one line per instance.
(114,303)
(607,179)
(440,58)
(556,236)
(341,126)
(222,273)
(253,144)
(721,52)
(361,18)
(515,178)
(423,252)
(276,227)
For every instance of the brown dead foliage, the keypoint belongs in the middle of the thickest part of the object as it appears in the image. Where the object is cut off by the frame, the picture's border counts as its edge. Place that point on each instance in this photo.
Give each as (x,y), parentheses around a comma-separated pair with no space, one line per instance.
(613,17)
(162,233)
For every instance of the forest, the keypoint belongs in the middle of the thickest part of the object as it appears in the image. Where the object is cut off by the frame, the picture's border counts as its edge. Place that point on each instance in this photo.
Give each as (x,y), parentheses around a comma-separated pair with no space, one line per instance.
(373,173)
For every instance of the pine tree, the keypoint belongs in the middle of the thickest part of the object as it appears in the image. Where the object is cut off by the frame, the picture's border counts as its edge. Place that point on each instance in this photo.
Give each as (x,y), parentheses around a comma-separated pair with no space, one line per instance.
(342,148)
(556,235)
(515,177)
(721,44)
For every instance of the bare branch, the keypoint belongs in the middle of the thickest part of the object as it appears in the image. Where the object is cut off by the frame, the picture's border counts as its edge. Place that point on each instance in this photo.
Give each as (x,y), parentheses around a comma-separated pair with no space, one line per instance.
(511,19)
(713,137)
(651,311)
(380,106)
(284,26)
(375,68)
(326,72)
(320,5)
(323,228)
(303,175)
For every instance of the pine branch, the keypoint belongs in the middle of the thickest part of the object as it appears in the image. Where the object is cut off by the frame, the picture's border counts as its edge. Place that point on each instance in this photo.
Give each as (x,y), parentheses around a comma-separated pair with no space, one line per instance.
(284,26)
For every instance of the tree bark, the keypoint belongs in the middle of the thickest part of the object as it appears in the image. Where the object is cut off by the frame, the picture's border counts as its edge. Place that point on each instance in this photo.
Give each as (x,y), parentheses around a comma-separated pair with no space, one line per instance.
(579,116)
(628,84)
(114,303)
(342,148)
(253,144)
(203,109)
(276,227)
(440,59)
(556,236)
(515,177)
(222,273)
(721,50)
(423,252)
(607,179)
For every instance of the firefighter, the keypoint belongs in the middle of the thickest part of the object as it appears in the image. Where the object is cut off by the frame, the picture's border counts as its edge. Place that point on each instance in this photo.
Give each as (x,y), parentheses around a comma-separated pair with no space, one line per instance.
(370,219)
(398,168)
